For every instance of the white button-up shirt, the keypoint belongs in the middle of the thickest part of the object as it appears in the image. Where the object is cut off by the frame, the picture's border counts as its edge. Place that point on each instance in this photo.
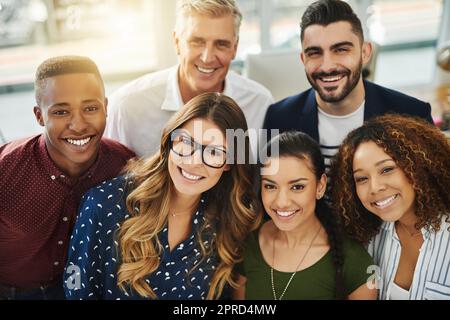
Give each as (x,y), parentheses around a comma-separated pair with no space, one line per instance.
(138,112)
(431,278)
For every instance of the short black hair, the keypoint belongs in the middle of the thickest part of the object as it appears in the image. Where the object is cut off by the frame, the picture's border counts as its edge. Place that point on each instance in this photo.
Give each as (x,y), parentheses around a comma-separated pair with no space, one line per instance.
(61,65)
(325,12)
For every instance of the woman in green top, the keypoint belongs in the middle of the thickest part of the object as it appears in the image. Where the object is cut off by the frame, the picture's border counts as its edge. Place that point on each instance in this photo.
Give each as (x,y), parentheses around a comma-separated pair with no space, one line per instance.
(300,253)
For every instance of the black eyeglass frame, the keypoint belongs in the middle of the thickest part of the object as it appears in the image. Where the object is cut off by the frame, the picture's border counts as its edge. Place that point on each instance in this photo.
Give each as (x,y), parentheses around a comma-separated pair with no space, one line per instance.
(196,146)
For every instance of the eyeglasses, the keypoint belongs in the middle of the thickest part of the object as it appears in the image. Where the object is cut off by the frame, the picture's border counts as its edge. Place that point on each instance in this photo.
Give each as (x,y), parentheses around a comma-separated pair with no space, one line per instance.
(184,146)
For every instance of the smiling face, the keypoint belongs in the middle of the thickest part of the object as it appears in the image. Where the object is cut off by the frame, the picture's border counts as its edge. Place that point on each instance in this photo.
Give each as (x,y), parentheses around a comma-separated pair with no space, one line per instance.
(189,174)
(381,184)
(206,47)
(333,57)
(72,108)
(289,196)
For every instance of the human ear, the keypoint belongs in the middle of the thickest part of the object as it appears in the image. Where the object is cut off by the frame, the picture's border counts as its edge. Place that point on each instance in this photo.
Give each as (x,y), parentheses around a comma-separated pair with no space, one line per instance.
(176,41)
(366,52)
(302,57)
(321,186)
(39,117)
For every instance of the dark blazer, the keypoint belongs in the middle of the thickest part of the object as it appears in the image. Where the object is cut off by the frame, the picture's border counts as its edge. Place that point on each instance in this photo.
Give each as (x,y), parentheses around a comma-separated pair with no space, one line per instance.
(299,112)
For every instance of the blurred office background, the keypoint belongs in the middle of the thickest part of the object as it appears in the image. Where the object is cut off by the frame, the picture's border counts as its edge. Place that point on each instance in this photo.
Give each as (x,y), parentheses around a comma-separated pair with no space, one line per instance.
(128,38)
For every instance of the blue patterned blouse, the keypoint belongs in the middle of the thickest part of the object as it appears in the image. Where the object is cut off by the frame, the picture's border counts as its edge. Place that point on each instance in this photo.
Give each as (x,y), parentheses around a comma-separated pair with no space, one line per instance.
(93,262)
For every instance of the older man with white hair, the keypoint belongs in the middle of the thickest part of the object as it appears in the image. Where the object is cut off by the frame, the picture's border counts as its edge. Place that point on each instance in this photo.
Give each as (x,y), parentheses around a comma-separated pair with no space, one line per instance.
(206,38)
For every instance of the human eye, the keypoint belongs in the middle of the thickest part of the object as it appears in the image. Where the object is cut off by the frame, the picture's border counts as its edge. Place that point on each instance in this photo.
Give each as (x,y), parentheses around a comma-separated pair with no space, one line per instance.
(196,42)
(223,44)
(269,186)
(387,169)
(313,53)
(298,187)
(342,49)
(185,140)
(59,112)
(91,108)
(360,179)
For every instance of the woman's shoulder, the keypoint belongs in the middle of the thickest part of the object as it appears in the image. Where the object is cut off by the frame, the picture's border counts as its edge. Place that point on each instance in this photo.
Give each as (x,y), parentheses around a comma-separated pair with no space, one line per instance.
(108,188)
(353,249)
(106,202)
(350,243)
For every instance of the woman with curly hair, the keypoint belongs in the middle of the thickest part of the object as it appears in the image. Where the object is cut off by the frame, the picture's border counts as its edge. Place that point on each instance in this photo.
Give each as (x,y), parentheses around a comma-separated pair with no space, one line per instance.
(174,225)
(391,181)
(300,253)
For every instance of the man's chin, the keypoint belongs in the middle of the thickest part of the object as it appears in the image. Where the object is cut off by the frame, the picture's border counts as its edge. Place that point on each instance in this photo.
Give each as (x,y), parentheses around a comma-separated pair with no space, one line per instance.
(330,96)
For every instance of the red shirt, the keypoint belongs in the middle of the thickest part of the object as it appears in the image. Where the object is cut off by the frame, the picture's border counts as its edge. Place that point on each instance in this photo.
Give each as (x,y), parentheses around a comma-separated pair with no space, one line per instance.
(38,208)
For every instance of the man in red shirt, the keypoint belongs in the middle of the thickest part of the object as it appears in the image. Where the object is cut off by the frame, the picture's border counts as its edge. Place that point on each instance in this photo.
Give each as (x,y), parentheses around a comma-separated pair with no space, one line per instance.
(43,177)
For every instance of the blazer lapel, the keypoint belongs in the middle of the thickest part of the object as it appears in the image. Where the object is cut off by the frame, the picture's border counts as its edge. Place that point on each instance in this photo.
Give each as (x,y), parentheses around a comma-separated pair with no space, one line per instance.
(309,119)
(373,106)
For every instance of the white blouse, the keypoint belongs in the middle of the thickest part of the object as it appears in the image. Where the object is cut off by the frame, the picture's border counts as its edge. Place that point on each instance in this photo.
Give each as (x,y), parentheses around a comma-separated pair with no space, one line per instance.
(431,279)
(398,293)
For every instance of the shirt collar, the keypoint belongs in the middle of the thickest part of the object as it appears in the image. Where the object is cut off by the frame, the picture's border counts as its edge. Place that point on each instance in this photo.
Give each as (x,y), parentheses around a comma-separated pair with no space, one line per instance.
(228,88)
(54,173)
(173,101)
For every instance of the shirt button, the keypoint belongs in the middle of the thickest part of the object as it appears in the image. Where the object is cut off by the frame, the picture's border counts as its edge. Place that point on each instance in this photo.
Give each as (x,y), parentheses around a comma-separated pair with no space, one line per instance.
(62,176)
(53,177)
(65,219)
(60,242)
(56,263)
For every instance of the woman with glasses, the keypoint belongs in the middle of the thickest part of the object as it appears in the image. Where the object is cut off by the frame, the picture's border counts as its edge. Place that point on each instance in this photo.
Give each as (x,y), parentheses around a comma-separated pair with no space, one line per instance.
(173,226)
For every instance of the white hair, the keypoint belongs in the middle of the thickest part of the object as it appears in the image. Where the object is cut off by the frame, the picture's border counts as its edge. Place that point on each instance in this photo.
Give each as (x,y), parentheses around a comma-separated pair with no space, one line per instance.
(210,8)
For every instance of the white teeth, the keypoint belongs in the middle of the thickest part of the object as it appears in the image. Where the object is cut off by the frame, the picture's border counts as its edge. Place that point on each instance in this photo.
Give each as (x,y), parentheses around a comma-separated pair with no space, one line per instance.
(190,176)
(386,202)
(285,213)
(81,142)
(205,70)
(331,79)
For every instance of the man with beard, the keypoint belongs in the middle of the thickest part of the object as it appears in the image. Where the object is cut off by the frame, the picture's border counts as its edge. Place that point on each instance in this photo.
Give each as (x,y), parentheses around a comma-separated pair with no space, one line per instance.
(333,52)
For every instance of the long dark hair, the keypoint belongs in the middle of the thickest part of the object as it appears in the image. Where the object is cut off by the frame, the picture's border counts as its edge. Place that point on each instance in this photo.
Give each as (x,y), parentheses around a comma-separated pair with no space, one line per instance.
(301,146)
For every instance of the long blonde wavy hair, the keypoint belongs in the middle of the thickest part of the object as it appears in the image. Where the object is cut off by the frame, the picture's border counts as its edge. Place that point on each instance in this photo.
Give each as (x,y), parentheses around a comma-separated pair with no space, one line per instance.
(230,206)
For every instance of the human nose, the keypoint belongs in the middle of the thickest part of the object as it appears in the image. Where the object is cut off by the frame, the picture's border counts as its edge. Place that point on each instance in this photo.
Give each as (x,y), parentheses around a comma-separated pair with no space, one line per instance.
(376,185)
(78,122)
(283,201)
(328,62)
(207,55)
(196,158)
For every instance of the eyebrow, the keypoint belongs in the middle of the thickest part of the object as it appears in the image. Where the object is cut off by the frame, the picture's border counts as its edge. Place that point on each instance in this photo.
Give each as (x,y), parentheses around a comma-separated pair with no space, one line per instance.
(90,100)
(376,164)
(60,104)
(343,43)
(185,133)
(312,49)
(224,41)
(334,46)
(65,104)
(289,182)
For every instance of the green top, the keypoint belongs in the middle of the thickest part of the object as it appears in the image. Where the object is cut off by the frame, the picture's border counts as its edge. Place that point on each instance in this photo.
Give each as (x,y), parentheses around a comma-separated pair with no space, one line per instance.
(316,282)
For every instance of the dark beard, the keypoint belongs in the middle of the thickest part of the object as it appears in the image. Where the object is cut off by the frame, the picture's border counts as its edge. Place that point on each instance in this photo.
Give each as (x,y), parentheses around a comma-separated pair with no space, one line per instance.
(353,79)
